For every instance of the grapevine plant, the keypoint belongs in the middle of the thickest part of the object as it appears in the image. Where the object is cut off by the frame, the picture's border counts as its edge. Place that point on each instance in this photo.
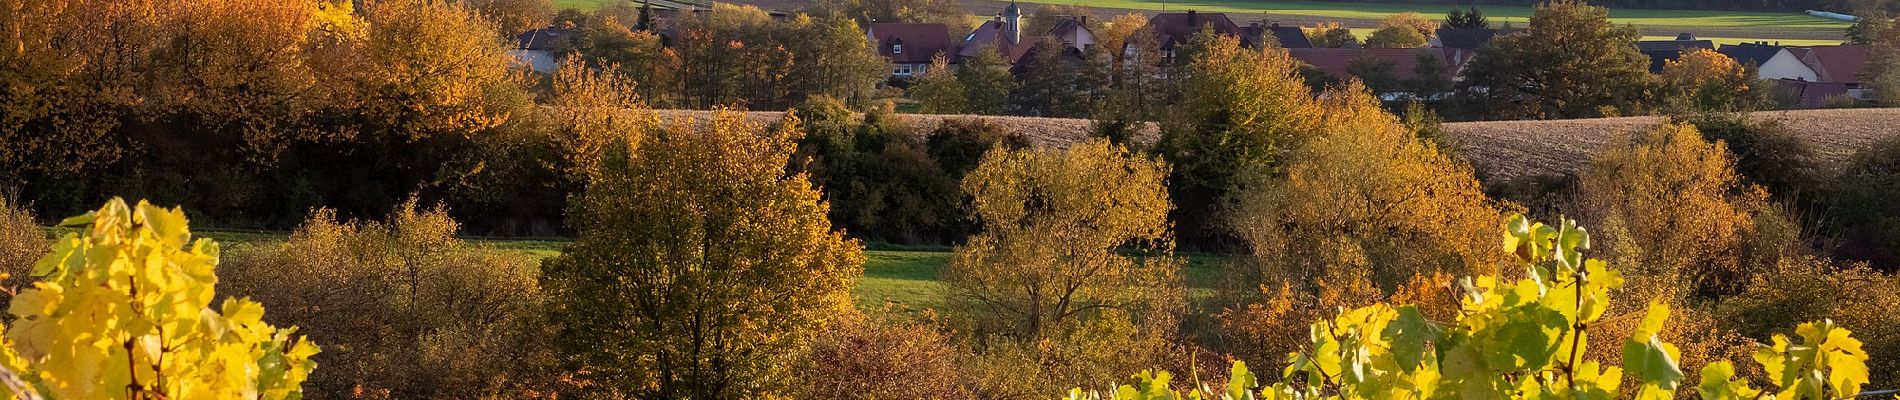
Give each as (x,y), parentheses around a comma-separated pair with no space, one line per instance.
(122,311)
(1523,339)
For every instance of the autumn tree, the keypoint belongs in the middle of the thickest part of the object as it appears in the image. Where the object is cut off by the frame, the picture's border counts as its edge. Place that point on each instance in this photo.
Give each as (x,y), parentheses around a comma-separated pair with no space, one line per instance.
(1412,20)
(986,82)
(1704,80)
(939,91)
(1366,197)
(1241,109)
(701,269)
(1118,31)
(609,38)
(833,59)
(515,16)
(1330,35)
(945,12)
(1074,261)
(1571,63)
(592,110)
(1396,37)
(881,182)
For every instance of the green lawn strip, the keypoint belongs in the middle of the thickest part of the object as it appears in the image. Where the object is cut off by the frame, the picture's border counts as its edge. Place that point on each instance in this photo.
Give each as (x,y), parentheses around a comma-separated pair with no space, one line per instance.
(904,278)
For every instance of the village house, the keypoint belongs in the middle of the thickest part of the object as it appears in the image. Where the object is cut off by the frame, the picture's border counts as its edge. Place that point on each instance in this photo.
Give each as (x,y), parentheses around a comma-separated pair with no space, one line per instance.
(1843,64)
(910,47)
(1770,61)
(1174,29)
(540,49)
(1004,33)
(1389,72)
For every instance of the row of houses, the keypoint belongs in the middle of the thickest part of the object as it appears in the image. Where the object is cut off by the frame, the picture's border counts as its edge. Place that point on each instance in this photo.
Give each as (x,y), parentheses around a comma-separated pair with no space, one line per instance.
(1815,74)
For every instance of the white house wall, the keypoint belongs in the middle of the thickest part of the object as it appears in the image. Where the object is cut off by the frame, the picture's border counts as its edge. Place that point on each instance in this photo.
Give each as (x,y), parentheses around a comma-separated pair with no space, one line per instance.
(1785,66)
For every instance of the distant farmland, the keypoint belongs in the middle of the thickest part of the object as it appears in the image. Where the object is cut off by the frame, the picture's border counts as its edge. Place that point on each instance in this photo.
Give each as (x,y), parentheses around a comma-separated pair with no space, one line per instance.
(1723,26)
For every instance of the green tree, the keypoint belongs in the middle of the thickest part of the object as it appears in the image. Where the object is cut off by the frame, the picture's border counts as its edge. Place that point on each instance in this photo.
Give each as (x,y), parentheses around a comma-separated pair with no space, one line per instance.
(1473,19)
(1241,109)
(1376,73)
(939,91)
(701,269)
(833,59)
(986,82)
(1863,207)
(1570,63)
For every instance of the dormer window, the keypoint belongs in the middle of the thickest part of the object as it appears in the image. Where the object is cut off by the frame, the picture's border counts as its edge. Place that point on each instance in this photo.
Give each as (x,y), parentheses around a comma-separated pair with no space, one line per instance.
(897,48)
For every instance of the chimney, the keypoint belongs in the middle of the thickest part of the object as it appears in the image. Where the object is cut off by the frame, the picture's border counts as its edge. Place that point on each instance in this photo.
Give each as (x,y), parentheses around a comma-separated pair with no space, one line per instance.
(1191,19)
(1085,20)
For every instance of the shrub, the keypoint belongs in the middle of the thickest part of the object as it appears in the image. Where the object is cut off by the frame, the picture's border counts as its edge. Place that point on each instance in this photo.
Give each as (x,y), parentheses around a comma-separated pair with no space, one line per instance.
(1637,191)
(1769,154)
(882,183)
(21,244)
(1366,195)
(702,269)
(881,358)
(1864,209)
(411,311)
(1809,289)
(123,312)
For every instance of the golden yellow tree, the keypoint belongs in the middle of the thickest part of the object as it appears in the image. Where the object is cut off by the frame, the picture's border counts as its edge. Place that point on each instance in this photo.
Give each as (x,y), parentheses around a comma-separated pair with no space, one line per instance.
(1704,80)
(701,270)
(1073,276)
(122,311)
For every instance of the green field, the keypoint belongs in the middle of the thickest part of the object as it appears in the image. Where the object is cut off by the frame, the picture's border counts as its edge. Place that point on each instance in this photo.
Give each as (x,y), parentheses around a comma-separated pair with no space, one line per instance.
(901,279)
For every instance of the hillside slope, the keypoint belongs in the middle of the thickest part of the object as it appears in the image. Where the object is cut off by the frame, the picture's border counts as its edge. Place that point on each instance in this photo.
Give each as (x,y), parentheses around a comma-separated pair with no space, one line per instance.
(1503,150)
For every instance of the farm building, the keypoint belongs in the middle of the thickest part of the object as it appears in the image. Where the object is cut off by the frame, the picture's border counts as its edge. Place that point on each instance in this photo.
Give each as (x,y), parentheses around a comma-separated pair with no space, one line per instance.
(539,49)
(1661,52)
(1771,61)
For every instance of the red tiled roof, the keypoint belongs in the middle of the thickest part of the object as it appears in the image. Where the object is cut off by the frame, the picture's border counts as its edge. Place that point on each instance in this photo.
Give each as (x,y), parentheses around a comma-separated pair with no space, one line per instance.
(1335,61)
(921,41)
(1843,63)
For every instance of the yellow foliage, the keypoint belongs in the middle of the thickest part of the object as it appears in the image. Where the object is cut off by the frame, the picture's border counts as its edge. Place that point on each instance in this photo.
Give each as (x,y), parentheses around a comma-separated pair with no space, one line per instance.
(1638,191)
(123,313)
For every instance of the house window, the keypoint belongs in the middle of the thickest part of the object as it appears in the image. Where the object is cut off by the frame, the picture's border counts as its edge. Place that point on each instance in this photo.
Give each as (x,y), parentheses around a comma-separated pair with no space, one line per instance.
(902,69)
(897,48)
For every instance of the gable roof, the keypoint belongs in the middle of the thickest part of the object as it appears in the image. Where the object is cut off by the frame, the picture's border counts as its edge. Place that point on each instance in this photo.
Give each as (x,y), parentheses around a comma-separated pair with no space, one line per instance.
(1335,61)
(1289,37)
(1813,94)
(1465,38)
(1173,28)
(990,35)
(1660,52)
(1750,53)
(1842,63)
(543,38)
(921,41)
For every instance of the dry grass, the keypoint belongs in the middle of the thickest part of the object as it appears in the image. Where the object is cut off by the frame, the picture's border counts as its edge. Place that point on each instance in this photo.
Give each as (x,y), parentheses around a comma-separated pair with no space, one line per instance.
(1507,150)
(1503,150)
